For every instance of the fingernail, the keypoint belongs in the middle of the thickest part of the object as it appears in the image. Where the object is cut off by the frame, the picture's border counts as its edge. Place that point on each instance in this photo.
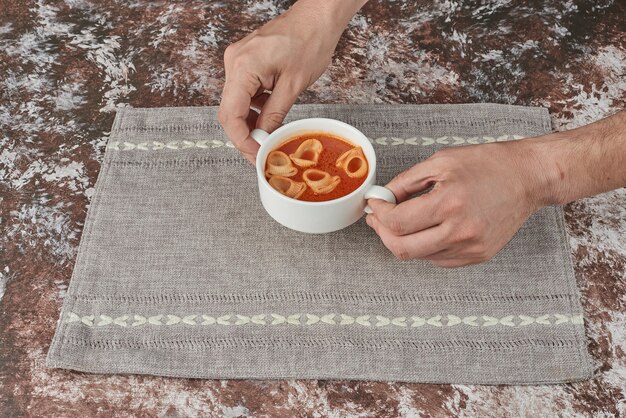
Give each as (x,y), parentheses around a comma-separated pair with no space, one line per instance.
(249,146)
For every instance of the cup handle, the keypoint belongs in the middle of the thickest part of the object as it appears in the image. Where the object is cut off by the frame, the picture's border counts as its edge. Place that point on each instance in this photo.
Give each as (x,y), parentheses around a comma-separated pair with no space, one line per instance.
(259,135)
(378,192)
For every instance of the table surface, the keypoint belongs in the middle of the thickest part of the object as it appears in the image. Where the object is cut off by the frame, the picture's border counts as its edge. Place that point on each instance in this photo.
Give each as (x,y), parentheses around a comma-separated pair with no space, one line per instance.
(66,65)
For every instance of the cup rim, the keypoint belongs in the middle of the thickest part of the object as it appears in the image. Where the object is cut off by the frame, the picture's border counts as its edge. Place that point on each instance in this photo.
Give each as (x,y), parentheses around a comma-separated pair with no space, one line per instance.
(371,167)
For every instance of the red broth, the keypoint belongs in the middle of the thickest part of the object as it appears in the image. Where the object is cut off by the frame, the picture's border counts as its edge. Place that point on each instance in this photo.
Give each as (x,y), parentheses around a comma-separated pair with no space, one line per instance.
(333,148)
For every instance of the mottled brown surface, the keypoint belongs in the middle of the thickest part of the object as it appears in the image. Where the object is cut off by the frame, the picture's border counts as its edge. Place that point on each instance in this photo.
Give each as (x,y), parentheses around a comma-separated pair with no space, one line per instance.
(66,65)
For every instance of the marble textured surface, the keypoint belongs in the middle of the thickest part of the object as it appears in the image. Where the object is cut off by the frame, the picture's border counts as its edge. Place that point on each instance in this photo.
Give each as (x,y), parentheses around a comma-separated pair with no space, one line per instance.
(66,65)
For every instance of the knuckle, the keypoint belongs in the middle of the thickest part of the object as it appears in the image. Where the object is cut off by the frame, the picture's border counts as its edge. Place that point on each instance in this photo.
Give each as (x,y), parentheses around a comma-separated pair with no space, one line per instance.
(449,233)
(444,154)
(484,255)
(275,117)
(443,263)
(235,57)
(395,225)
(446,160)
(471,231)
(474,231)
(403,176)
(231,51)
(239,62)
(399,250)
(402,182)
(481,253)
(222,116)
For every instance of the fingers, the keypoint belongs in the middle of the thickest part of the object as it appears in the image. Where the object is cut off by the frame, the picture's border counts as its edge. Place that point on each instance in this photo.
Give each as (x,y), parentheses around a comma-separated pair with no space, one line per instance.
(258,101)
(277,106)
(429,244)
(255,106)
(408,217)
(455,262)
(234,111)
(412,228)
(460,254)
(419,245)
(414,180)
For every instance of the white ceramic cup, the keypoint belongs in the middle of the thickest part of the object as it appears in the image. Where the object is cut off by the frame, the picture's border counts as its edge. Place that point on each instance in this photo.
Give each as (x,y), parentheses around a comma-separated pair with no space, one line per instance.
(317,217)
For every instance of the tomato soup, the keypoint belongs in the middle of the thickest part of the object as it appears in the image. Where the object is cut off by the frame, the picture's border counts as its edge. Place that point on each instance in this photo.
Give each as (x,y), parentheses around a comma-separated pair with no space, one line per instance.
(316,167)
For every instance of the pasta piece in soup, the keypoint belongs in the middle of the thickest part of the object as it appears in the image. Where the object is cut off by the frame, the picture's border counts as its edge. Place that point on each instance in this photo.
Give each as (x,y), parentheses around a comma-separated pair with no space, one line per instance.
(320,181)
(279,164)
(308,153)
(353,162)
(288,187)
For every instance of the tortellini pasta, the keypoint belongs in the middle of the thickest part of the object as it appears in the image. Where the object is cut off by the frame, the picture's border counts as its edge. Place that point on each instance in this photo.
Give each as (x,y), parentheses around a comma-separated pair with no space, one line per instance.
(353,162)
(320,181)
(288,187)
(279,164)
(308,153)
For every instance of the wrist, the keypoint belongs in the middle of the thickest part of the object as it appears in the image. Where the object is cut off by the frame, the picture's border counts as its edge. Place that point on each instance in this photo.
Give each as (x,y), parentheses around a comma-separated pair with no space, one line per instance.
(336,13)
(541,175)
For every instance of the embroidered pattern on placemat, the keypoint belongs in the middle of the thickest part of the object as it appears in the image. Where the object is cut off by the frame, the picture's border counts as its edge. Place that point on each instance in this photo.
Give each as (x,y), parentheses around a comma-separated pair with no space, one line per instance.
(215,143)
(321,319)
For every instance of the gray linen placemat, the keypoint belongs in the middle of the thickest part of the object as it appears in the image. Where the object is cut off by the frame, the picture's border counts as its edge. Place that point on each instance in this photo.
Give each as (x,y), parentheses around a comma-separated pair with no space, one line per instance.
(180,272)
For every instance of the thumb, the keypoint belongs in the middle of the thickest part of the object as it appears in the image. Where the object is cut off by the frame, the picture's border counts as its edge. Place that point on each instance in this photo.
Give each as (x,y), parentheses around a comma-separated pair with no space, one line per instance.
(276,107)
(414,180)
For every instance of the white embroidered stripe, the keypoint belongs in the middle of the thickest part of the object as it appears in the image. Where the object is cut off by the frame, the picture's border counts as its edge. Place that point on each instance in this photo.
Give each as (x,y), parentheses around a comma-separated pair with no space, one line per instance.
(214,143)
(329,319)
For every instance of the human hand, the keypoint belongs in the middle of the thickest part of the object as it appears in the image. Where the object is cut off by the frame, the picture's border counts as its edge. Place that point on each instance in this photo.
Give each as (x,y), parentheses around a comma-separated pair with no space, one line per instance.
(284,56)
(481,195)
